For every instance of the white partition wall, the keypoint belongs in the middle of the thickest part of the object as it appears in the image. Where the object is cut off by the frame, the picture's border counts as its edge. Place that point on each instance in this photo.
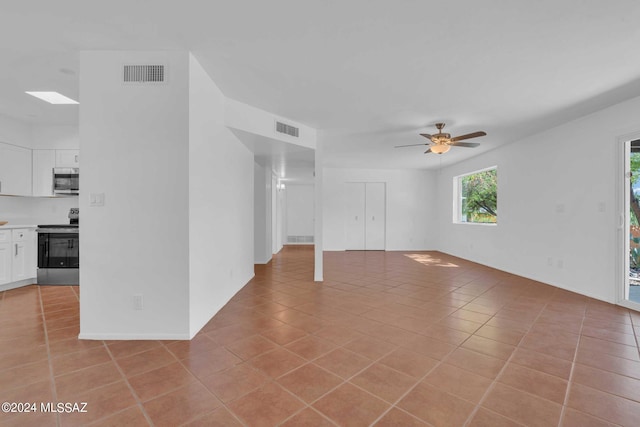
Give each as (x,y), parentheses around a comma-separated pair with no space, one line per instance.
(173,240)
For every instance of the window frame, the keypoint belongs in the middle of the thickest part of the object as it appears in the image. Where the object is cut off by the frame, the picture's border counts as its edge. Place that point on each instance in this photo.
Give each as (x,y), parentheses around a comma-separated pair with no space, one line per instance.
(458,198)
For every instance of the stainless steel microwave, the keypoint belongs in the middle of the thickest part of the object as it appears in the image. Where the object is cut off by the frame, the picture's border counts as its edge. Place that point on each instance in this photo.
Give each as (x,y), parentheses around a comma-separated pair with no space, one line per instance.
(66,180)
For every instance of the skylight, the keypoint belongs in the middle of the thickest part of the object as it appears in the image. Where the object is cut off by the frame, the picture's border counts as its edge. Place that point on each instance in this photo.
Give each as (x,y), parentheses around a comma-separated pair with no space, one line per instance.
(53,97)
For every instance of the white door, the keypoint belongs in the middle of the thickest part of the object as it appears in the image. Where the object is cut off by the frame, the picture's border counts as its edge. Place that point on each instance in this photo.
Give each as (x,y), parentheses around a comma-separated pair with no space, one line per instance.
(355,211)
(375,216)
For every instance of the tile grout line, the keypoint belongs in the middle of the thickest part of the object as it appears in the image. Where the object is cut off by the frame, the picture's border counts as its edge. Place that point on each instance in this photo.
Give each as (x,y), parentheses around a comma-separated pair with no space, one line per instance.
(495,380)
(633,328)
(222,403)
(423,377)
(126,380)
(46,338)
(420,379)
(344,381)
(573,366)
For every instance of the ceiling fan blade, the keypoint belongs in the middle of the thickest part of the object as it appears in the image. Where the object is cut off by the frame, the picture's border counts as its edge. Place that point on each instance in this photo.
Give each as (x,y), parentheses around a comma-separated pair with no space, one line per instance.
(468,136)
(465,144)
(426,135)
(410,145)
(428,151)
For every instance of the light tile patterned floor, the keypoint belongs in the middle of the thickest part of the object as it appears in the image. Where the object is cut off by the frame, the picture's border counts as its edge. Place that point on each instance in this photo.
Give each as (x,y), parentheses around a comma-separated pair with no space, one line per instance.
(389,339)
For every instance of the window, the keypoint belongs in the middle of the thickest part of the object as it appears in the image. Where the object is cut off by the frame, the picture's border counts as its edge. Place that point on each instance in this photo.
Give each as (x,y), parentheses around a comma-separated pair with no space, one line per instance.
(476,197)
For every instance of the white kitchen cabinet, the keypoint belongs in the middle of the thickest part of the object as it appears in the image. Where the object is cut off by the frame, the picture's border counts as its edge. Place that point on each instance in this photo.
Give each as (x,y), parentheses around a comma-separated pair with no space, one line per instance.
(365,215)
(23,264)
(18,257)
(43,163)
(5,257)
(15,170)
(67,158)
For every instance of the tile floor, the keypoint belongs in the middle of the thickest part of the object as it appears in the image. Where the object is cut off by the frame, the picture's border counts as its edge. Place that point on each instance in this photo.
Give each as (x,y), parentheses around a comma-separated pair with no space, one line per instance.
(389,339)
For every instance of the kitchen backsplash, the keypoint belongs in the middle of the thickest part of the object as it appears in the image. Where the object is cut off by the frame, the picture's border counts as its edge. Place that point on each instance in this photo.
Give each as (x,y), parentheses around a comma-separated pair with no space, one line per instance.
(35,210)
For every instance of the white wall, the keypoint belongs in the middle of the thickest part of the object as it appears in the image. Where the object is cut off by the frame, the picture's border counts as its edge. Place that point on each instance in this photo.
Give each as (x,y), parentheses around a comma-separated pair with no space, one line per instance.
(276,243)
(410,213)
(134,141)
(552,188)
(220,203)
(36,210)
(56,137)
(256,121)
(280,219)
(260,256)
(15,132)
(300,210)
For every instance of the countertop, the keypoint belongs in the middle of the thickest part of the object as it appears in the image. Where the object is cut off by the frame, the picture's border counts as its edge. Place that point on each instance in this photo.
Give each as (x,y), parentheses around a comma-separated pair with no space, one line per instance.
(10,226)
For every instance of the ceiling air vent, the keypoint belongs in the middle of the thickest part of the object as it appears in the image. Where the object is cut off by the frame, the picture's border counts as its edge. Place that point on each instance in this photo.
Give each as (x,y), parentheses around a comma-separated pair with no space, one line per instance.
(144,74)
(289,130)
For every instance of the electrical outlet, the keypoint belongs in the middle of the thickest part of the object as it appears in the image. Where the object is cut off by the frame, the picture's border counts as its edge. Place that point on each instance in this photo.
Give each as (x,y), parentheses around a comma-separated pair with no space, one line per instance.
(559,263)
(138,303)
(550,262)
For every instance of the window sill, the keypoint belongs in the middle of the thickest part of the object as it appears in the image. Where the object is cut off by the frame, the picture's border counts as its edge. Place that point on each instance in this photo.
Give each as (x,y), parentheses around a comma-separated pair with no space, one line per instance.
(483,224)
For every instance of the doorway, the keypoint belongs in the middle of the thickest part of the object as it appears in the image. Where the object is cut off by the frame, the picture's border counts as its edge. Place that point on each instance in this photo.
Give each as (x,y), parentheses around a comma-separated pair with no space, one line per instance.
(629,291)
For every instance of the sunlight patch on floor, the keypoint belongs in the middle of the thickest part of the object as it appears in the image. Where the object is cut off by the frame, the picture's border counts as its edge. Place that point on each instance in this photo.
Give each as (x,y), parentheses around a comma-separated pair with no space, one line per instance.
(429,260)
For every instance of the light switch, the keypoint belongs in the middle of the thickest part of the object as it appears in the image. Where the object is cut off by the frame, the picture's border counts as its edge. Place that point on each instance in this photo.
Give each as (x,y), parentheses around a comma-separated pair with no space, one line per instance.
(96,199)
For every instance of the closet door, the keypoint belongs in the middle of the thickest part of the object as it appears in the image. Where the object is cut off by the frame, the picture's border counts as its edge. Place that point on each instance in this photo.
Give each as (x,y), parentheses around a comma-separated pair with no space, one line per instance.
(375,216)
(355,223)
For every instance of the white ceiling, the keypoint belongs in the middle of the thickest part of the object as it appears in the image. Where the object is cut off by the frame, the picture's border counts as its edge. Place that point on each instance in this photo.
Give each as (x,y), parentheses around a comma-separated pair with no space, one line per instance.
(371,74)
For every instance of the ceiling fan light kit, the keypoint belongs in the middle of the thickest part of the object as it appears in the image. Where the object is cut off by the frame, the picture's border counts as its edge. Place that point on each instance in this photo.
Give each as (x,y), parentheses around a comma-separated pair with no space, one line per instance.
(440,148)
(442,142)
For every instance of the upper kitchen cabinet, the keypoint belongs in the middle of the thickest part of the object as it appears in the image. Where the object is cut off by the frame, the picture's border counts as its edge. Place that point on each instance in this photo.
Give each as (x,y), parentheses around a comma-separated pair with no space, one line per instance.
(43,163)
(15,170)
(67,158)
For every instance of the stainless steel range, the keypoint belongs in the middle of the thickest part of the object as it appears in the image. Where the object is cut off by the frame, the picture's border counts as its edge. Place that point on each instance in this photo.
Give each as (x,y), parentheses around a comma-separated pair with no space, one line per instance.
(59,252)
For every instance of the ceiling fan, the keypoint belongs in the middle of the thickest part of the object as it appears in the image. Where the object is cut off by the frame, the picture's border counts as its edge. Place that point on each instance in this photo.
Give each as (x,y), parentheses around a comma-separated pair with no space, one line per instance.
(442,142)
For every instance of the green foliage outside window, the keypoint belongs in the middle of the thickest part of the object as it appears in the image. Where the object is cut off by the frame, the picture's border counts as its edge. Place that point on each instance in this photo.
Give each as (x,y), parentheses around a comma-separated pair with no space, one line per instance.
(634,159)
(479,197)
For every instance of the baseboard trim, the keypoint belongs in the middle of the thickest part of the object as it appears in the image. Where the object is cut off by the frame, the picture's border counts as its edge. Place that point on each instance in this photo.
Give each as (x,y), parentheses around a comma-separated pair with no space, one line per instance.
(129,337)
(537,279)
(18,284)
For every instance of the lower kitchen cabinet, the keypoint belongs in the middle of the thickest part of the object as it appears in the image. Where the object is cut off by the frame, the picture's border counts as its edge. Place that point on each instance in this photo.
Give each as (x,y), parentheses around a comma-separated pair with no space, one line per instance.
(18,259)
